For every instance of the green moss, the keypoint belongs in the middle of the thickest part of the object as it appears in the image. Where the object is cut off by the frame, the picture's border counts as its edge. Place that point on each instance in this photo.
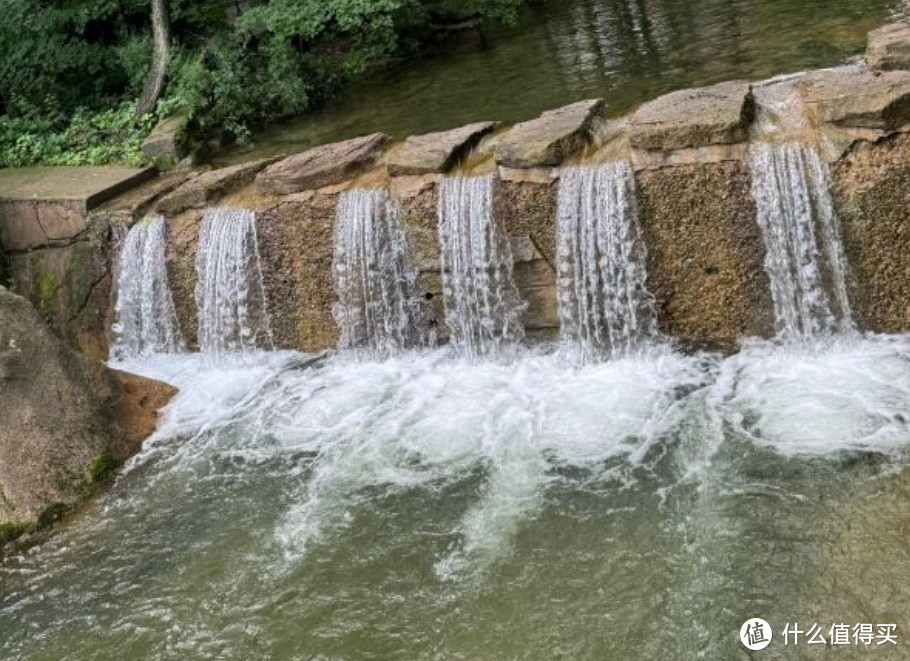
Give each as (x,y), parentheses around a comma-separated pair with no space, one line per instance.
(102,469)
(13,530)
(51,514)
(46,289)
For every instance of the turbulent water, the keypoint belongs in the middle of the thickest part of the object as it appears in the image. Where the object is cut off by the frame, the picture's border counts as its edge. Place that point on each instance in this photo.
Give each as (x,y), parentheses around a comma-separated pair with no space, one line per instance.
(146,320)
(433,506)
(604,305)
(804,255)
(482,304)
(230,298)
(376,308)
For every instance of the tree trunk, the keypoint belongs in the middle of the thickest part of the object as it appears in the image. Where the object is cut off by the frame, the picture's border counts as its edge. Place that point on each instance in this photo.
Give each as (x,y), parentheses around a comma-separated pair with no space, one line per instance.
(154,84)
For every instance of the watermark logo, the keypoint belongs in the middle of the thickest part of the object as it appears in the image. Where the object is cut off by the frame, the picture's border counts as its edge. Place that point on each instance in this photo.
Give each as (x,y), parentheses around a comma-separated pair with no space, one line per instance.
(755,634)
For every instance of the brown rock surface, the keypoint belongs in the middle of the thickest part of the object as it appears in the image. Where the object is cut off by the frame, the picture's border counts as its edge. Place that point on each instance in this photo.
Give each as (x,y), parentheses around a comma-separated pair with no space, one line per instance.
(60,415)
(872,192)
(716,115)
(549,139)
(206,188)
(435,152)
(705,253)
(322,166)
(889,47)
(854,97)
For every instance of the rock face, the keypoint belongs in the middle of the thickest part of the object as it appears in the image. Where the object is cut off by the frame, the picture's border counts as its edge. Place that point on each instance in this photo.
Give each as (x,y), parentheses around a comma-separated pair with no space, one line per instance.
(323,166)
(872,192)
(204,189)
(549,139)
(67,420)
(705,253)
(26,224)
(854,97)
(435,152)
(166,143)
(717,115)
(889,47)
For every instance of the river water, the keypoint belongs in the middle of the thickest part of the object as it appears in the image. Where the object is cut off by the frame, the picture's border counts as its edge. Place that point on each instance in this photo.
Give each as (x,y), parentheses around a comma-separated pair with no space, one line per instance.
(561,51)
(431,506)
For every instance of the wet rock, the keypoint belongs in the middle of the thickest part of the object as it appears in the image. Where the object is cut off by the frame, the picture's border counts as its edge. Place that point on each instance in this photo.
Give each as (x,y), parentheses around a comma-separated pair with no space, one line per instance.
(854,97)
(166,144)
(206,188)
(435,152)
(889,47)
(872,193)
(716,115)
(322,166)
(705,253)
(549,139)
(28,224)
(66,421)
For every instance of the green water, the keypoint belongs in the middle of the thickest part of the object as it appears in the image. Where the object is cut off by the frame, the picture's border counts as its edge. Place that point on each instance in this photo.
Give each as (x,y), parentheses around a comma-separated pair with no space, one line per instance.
(625,51)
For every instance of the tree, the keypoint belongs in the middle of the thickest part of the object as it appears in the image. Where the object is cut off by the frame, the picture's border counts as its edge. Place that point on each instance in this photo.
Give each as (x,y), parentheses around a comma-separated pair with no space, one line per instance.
(154,84)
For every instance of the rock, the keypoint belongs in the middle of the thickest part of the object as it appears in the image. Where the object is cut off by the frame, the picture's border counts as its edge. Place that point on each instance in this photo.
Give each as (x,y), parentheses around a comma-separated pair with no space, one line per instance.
(854,97)
(66,419)
(436,152)
(27,224)
(549,139)
(889,47)
(322,166)
(206,188)
(716,115)
(166,144)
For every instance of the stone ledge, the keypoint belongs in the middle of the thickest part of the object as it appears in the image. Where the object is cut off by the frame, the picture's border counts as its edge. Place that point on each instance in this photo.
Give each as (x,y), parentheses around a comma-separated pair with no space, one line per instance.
(889,47)
(433,153)
(549,139)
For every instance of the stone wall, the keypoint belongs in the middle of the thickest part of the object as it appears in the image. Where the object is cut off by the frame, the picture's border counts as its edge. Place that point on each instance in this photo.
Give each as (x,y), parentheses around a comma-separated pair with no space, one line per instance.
(689,150)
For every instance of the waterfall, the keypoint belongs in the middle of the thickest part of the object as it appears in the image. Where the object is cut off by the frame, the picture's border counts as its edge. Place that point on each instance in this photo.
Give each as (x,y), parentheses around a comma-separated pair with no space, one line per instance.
(146,319)
(604,306)
(376,308)
(804,256)
(233,312)
(481,300)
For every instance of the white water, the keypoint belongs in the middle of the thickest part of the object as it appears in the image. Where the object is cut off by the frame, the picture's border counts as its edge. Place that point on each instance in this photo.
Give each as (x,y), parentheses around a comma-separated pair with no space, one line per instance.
(804,255)
(230,297)
(482,304)
(376,309)
(146,320)
(604,305)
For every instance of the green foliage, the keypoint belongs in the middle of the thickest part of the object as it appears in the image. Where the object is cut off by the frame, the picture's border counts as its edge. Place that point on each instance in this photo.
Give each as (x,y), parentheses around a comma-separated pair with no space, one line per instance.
(69,68)
(89,138)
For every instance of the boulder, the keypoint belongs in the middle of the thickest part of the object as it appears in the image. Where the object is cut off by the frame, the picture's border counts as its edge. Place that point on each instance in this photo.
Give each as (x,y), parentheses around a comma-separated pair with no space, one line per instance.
(67,421)
(693,118)
(29,224)
(327,165)
(854,97)
(435,152)
(166,144)
(549,139)
(889,47)
(206,188)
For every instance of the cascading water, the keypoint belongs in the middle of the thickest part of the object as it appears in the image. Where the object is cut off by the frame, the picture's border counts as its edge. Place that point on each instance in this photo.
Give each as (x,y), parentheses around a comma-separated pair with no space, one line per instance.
(230,297)
(604,305)
(146,319)
(804,256)
(376,308)
(481,300)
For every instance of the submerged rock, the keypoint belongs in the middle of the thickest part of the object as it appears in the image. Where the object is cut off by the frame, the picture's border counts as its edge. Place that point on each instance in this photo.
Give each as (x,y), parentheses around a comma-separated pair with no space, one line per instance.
(435,152)
(716,115)
(549,139)
(889,47)
(323,166)
(67,421)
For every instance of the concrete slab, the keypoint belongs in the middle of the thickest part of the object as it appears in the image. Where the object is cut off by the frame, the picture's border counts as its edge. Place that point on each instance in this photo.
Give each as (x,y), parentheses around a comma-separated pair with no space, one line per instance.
(85,187)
